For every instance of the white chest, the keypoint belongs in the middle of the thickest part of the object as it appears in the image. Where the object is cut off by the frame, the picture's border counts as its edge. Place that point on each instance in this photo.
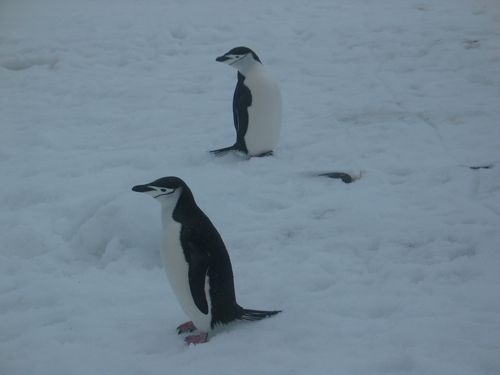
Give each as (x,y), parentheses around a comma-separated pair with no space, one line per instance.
(177,270)
(173,259)
(264,115)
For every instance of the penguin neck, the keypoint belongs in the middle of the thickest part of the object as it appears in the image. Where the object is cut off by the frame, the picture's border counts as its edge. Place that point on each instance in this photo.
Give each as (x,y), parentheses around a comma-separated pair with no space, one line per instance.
(167,209)
(248,68)
(178,209)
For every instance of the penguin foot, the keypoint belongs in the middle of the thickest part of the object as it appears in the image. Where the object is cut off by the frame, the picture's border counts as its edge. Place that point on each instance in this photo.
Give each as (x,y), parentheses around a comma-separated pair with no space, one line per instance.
(186,328)
(197,339)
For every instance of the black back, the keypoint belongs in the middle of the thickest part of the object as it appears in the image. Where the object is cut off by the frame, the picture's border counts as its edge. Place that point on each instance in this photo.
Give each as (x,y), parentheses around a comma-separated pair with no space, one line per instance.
(242,99)
(206,254)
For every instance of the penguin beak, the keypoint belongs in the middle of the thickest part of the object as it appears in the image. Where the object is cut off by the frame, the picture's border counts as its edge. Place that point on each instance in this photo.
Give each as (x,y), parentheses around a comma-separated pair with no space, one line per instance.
(222,58)
(142,188)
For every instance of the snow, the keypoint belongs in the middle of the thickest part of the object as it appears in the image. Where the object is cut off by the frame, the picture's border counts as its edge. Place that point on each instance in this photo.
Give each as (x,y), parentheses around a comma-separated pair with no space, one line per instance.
(396,273)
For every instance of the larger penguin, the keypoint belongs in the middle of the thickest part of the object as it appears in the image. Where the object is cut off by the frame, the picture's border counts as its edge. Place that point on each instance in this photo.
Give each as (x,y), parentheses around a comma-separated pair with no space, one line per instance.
(256,105)
(196,261)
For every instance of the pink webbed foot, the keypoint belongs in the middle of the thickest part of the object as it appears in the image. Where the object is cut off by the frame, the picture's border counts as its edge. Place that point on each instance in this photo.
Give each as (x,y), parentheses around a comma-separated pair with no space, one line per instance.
(186,328)
(197,339)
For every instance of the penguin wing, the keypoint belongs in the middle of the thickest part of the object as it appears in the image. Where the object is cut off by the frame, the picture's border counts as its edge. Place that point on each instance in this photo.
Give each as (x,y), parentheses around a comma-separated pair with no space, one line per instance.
(241,101)
(197,273)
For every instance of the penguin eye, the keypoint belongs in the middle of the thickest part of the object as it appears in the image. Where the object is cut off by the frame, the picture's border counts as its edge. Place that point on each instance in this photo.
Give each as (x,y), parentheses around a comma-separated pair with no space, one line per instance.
(163,190)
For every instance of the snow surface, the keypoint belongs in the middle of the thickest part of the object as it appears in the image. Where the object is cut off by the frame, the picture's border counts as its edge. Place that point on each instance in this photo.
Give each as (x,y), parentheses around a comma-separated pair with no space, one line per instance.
(397,273)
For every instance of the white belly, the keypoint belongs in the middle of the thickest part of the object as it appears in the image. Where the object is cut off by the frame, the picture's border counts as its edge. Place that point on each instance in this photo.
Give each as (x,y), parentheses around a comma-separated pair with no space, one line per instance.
(264,115)
(176,269)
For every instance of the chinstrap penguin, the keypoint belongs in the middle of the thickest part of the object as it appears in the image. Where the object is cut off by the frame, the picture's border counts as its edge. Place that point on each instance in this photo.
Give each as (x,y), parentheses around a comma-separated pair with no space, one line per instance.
(196,261)
(256,105)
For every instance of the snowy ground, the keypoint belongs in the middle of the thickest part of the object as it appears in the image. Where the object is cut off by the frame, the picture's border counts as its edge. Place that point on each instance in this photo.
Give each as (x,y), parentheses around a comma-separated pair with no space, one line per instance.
(397,273)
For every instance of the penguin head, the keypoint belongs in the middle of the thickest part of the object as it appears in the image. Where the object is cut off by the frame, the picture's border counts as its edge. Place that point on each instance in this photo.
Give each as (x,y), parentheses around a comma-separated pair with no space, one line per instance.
(165,189)
(239,58)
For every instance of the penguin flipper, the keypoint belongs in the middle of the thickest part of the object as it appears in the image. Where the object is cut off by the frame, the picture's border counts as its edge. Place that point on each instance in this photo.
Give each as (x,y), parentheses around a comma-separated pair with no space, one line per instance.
(242,99)
(197,273)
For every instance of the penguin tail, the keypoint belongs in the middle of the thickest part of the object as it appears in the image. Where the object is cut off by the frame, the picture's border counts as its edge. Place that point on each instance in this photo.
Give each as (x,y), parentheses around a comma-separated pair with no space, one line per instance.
(223,151)
(251,315)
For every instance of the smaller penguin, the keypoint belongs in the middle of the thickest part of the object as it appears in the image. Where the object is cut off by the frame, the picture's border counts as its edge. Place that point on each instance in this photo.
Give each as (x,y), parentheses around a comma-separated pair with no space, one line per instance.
(256,105)
(196,261)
